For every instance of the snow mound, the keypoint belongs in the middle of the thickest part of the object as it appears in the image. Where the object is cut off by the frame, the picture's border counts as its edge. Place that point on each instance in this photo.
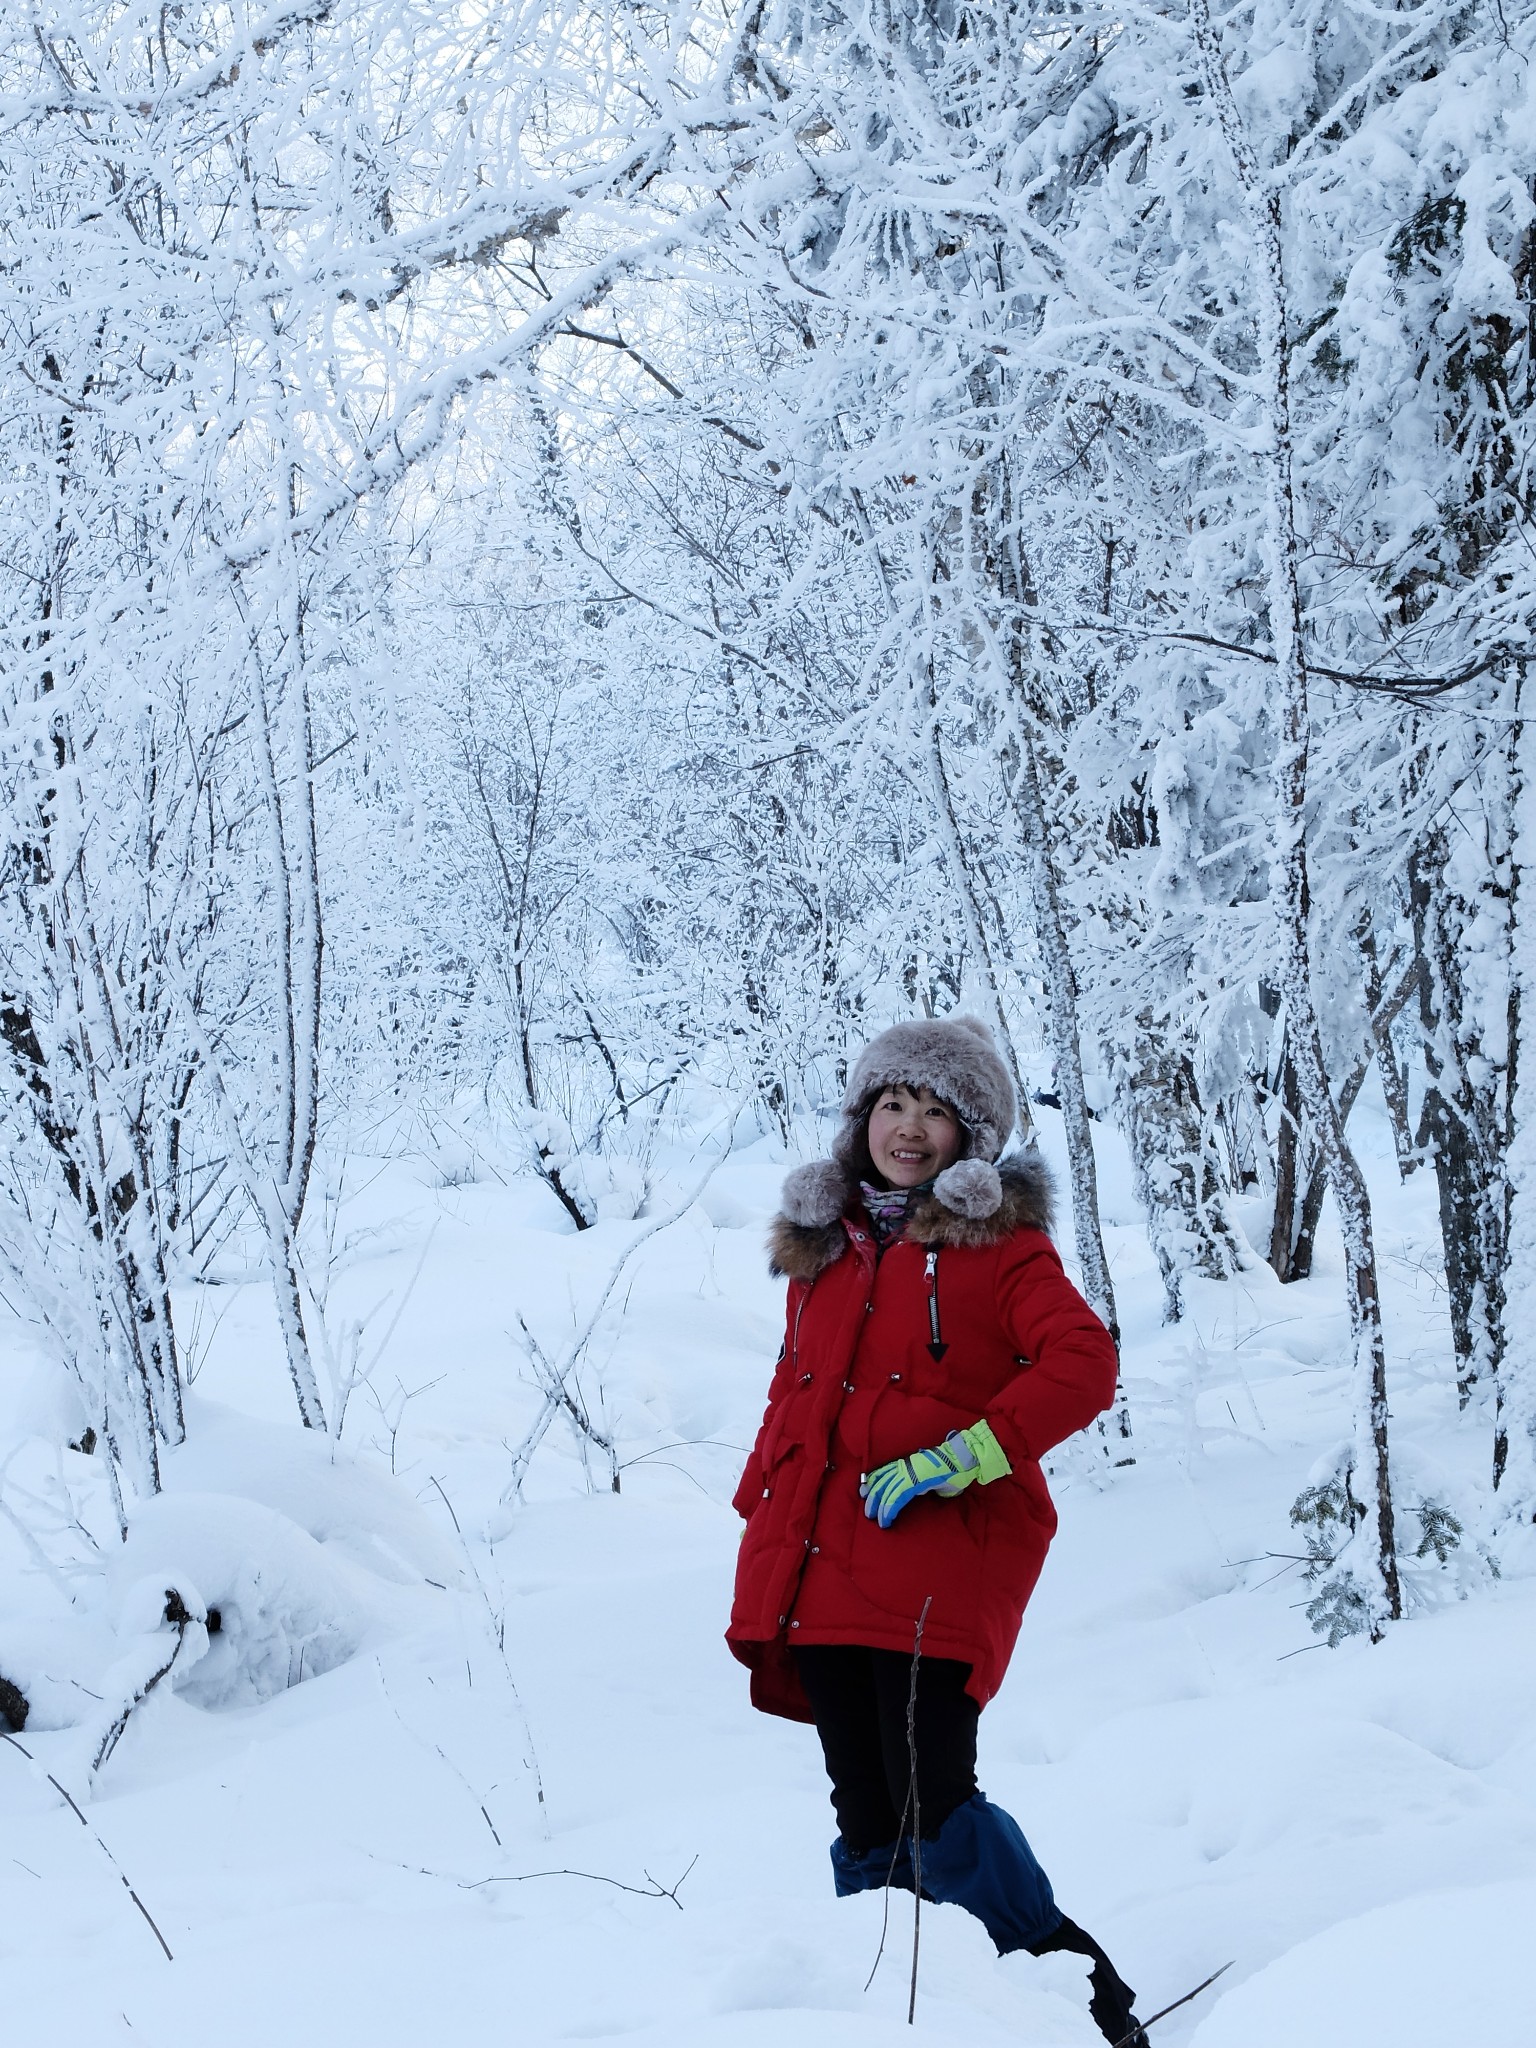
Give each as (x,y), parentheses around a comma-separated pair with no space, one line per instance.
(48,1405)
(727,1210)
(287,1609)
(1424,1973)
(312,1480)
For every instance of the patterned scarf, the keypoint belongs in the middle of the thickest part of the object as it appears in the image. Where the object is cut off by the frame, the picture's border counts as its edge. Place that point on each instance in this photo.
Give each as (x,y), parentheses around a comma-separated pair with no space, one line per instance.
(888,1209)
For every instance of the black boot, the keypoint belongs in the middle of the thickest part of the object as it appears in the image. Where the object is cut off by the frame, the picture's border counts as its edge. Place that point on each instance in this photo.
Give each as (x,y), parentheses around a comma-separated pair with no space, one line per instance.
(1111,1997)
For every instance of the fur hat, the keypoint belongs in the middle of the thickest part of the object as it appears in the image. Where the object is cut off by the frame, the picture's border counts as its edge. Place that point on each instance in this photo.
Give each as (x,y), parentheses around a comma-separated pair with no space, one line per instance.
(957,1059)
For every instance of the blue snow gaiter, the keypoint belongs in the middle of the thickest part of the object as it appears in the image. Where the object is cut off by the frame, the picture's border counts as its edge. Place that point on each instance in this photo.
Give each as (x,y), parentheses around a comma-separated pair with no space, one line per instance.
(979,1859)
(872,1869)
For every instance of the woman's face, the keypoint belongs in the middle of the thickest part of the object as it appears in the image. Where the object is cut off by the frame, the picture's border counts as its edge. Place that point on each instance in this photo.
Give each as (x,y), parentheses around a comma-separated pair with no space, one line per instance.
(912,1136)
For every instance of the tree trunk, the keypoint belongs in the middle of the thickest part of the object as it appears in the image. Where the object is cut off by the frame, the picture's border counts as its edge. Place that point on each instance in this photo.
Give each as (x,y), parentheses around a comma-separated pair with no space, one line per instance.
(1514,1423)
(960,865)
(1176,1172)
(1288,1149)
(1463,1122)
(1379,1588)
(1394,1074)
(286,1158)
(1067,1051)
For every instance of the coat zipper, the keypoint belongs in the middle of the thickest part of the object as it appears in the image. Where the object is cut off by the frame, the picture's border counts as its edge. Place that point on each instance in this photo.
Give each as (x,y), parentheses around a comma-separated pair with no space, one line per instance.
(936,1345)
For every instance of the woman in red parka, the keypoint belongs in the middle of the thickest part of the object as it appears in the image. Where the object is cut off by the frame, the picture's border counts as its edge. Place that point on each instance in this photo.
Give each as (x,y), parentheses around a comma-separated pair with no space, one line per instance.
(934,1352)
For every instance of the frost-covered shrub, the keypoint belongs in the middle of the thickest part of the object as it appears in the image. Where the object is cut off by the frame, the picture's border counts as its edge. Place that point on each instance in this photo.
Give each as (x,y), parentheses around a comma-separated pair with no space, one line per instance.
(1326,1515)
(1448,1559)
(614,1190)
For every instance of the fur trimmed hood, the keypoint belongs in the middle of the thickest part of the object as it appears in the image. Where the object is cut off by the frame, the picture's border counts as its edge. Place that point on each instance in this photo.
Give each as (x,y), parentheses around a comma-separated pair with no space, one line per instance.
(971,1204)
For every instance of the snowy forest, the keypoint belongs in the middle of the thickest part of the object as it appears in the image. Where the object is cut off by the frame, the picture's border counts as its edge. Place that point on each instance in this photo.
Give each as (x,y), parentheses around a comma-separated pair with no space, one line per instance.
(563,566)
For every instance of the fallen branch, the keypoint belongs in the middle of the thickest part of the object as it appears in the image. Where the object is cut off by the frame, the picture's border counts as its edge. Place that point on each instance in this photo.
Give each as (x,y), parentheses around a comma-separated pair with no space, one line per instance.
(96,1838)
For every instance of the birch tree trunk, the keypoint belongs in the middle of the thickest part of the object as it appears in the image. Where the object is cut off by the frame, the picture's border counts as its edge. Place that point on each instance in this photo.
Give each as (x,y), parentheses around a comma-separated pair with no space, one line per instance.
(960,863)
(285,754)
(1007,572)
(1065,1026)
(1377,1584)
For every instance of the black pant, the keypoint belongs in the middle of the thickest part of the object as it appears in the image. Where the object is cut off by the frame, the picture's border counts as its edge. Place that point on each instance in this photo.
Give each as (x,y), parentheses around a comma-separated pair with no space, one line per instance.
(859,1698)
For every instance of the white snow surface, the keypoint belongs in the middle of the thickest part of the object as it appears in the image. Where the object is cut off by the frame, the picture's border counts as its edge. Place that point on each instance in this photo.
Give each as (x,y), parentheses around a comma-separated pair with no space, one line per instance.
(421,1783)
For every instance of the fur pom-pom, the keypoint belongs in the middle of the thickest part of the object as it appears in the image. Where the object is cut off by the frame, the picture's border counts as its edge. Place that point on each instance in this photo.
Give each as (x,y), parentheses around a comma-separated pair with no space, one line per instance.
(978,1030)
(972,1188)
(815,1195)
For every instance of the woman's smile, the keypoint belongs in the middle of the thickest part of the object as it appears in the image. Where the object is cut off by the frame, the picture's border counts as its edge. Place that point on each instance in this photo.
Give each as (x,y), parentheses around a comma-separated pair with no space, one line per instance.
(912,1136)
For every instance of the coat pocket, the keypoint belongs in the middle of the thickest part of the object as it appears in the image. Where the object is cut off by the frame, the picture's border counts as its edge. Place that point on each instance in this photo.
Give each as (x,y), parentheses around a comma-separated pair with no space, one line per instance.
(783,1433)
(1028,1497)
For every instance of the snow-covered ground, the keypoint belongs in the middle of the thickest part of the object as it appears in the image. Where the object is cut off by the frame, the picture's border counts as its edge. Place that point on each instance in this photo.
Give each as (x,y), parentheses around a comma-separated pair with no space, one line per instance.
(519,1794)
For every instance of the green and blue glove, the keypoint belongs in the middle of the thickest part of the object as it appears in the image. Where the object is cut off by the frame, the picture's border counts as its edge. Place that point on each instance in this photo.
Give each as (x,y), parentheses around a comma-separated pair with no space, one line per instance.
(966,1457)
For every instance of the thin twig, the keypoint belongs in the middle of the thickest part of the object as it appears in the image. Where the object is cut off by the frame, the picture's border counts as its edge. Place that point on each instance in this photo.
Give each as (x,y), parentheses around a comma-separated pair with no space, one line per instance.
(653,1888)
(1128,2040)
(917,1810)
(39,1556)
(885,1916)
(101,1845)
(438,1751)
(498,1637)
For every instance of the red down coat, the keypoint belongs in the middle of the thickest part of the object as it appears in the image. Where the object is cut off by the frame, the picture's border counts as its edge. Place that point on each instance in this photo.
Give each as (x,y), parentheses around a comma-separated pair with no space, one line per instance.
(859,1382)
